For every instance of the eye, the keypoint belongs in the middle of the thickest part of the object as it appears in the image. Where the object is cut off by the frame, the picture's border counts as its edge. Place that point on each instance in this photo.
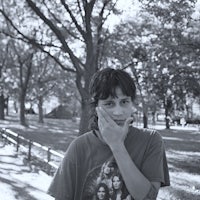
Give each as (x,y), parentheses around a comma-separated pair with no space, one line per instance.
(125,101)
(108,104)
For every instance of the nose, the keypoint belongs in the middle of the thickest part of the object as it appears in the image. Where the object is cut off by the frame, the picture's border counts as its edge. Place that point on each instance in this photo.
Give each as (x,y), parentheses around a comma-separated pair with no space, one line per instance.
(117,110)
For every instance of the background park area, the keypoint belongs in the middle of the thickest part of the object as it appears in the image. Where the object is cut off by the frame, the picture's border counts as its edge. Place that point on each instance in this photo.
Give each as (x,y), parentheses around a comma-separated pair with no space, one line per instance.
(182,148)
(49,53)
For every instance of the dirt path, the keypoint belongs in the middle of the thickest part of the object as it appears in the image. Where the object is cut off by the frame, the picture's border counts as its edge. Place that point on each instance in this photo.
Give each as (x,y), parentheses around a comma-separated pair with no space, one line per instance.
(17,180)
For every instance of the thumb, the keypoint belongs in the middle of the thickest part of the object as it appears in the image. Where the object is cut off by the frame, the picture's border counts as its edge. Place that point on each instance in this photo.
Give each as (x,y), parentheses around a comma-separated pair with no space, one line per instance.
(128,121)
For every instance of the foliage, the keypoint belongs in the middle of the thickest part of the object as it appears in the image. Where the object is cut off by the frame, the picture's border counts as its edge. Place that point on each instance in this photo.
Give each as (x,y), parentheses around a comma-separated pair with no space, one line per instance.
(160,46)
(71,33)
(160,50)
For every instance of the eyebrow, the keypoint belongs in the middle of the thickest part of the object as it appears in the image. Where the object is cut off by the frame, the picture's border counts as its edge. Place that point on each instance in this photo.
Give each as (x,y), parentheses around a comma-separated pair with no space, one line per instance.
(111,99)
(126,98)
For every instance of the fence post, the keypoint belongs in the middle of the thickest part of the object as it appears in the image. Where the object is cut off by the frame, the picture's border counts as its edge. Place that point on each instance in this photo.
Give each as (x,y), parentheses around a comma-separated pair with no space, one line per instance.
(6,139)
(29,150)
(48,167)
(6,136)
(17,142)
(48,155)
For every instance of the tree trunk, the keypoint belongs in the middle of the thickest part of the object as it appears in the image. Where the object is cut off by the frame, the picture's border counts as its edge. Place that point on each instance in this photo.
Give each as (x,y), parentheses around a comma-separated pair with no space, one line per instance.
(22,110)
(145,120)
(167,120)
(145,114)
(15,106)
(153,118)
(6,105)
(85,117)
(85,97)
(40,109)
(2,105)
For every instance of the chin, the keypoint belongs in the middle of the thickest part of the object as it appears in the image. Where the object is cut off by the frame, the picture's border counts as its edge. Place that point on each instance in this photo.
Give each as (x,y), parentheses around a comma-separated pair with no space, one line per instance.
(120,123)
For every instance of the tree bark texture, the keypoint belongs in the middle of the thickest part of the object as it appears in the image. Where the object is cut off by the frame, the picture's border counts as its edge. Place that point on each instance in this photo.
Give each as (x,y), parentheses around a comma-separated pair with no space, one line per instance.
(40,109)
(2,106)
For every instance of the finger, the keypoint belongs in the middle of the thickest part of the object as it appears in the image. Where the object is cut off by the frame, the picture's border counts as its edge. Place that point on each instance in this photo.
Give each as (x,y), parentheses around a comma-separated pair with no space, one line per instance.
(100,115)
(128,121)
(106,116)
(100,125)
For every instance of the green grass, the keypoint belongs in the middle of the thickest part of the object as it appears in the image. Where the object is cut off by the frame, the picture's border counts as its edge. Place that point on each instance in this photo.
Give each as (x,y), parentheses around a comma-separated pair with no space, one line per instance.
(54,133)
(182,149)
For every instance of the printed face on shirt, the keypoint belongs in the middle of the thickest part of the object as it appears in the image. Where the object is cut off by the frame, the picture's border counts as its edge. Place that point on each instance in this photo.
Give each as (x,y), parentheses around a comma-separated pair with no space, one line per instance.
(116,183)
(100,187)
(101,193)
(107,170)
(118,108)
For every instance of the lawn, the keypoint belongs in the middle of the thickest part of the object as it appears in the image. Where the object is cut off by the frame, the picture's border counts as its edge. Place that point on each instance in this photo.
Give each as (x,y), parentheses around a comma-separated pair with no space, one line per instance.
(182,148)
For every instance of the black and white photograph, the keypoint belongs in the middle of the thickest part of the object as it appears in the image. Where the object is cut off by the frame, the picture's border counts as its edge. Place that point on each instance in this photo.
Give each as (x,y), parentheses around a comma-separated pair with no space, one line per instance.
(100,100)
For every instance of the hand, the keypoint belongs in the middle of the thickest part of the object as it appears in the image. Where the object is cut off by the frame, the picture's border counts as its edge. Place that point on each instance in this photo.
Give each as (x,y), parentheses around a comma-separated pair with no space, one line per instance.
(111,133)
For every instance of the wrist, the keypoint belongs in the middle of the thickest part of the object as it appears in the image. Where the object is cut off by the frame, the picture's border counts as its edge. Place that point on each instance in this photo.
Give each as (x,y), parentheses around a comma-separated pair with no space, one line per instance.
(117,147)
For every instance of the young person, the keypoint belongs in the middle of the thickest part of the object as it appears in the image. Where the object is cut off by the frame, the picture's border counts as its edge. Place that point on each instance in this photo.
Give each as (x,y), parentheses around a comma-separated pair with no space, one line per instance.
(139,154)
(106,174)
(119,191)
(102,192)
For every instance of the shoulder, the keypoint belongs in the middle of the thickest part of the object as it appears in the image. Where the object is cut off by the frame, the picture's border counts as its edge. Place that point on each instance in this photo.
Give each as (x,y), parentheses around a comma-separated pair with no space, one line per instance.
(145,135)
(83,142)
(145,132)
(153,134)
(79,145)
(82,139)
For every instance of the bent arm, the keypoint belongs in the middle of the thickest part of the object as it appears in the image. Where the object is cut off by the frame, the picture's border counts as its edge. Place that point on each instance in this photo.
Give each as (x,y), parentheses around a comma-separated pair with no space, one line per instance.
(137,184)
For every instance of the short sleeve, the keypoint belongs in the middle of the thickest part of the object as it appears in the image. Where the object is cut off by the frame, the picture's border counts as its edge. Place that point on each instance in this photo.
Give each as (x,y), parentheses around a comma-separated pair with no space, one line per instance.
(154,165)
(63,183)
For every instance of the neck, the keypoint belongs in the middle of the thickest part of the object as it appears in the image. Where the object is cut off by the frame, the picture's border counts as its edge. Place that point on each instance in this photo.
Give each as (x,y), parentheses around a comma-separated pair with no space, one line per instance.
(99,136)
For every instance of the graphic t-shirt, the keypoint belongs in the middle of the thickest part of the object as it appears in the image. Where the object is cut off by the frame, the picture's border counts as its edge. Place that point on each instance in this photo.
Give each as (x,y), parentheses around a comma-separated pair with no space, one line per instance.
(105,182)
(89,171)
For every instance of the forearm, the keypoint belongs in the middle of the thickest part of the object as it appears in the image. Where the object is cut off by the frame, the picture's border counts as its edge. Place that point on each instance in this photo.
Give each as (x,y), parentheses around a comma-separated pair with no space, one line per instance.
(137,184)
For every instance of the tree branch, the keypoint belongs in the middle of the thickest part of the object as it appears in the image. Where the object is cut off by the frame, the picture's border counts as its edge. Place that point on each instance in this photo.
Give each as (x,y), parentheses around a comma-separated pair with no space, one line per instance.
(59,35)
(50,24)
(88,7)
(80,9)
(28,40)
(102,12)
(41,47)
(59,22)
(81,31)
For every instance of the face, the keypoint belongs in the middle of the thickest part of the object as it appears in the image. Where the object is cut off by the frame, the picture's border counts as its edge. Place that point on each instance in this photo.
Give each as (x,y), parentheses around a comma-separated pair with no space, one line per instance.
(116,182)
(106,170)
(101,193)
(119,108)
